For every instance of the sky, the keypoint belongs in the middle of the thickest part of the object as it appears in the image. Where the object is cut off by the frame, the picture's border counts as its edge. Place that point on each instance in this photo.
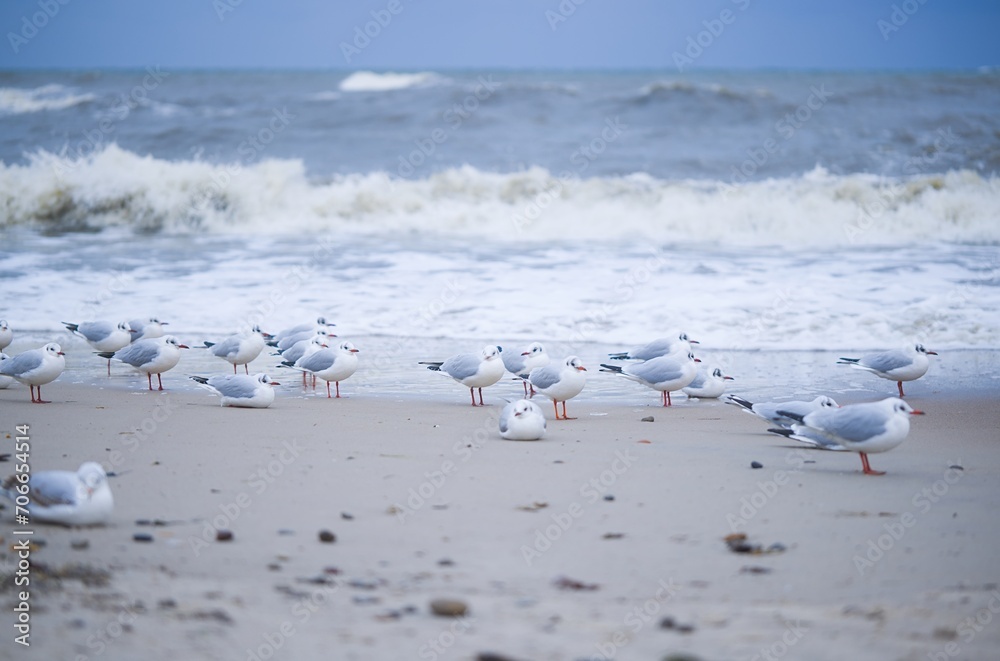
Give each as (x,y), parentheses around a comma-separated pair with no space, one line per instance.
(518,34)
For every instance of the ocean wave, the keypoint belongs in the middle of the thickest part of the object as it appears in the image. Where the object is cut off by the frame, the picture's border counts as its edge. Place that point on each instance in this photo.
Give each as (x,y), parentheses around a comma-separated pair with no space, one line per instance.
(118,188)
(369,81)
(16,101)
(671,88)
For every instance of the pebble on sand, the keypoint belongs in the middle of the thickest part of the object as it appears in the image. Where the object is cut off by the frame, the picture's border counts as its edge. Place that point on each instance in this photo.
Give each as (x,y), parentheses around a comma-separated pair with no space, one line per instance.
(449,607)
(327,537)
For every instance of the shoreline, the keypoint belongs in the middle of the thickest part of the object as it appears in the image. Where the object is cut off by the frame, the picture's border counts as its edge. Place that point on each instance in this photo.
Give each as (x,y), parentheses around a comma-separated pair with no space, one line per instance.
(495,523)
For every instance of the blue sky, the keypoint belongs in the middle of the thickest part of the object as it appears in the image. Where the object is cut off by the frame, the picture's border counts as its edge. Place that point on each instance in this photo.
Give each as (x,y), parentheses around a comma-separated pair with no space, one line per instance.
(543,34)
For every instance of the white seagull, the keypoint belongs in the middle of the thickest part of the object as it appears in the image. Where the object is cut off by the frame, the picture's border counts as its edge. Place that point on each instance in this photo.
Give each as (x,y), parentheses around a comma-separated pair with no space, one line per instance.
(6,335)
(664,346)
(241,390)
(146,329)
(82,498)
(334,364)
(769,410)
(862,428)
(665,373)
(899,365)
(305,348)
(707,384)
(520,363)
(5,381)
(240,349)
(522,421)
(473,371)
(560,382)
(103,335)
(321,324)
(36,368)
(154,356)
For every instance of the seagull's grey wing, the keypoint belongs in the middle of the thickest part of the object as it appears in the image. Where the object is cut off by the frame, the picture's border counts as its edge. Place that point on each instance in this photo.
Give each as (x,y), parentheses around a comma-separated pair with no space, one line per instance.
(699,380)
(22,363)
(296,351)
(140,353)
(227,347)
(513,361)
(815,437)
(655,349)
(885,361)
(545,377)
(462,366)
(50,488)
(234,386)
(657,371)
(853,423)
(96,331)
(318,361)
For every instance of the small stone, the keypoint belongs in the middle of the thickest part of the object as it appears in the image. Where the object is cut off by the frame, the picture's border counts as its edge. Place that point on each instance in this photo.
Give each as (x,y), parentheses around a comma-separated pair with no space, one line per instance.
(346,517)
(648,418)
(166,604)
(80,544)
(756,464)
(609,497)
(274,566)
(327,537)
(223,535)
(446,562)
(142,537)
(449,607)
(286,532)
(956,467)
(755,569)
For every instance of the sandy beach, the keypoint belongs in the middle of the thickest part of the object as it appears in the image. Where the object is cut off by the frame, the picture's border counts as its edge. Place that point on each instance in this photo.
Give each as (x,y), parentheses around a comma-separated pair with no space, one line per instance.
(605,540)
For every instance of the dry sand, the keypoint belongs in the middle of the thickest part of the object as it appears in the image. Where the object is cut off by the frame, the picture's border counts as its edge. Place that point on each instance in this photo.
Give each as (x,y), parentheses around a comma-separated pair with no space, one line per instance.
(426,501)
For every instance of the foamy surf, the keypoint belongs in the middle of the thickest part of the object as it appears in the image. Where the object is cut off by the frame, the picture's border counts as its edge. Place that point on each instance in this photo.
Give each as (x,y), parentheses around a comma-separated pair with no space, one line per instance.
(370,81)
(118,188)
(15,101)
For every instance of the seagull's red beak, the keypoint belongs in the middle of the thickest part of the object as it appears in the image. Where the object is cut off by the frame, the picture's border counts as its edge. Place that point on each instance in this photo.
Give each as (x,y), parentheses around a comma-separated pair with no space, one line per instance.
(183,346)
(728,378)
(917,412)
(697,360)
(525,353)
(931,353)
(693,342)
(581,368)
(274,383)
(60,353)
(355,350)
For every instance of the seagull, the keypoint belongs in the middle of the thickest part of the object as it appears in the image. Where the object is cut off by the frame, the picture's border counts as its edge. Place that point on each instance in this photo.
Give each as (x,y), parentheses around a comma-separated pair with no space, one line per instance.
(6,335)
(5,381)
(146,329)
(321,324)
(36,368)
(473,371)
(769,410)
(103,335)
(665,373)
(304,348)
(664,346)
(522,421)
(82,498)
(154,356)
(560,382)
(334,364)
(862,428)
(707,385)
(240,349)
(898,365)
(520,363)
(241,390)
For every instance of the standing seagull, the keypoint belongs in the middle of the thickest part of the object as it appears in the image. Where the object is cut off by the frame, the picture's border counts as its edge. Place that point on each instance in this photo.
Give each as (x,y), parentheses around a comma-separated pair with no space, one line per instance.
(522,421)
(82,498)
(5,381)
(473,371)
(103,335)
(36,368)
(240,349)
(664,346)
(862,428)
(707,385)
(520,363)
(146,329)
(321,324)
(664,374)
(241,390)
(898,365)
(560,382)
(333,365)
(154,356)
(305,348)
(769,410)
(6,335)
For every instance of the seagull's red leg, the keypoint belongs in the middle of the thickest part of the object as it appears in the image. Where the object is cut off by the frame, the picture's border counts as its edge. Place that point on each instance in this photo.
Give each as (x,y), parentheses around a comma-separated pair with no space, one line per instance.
(39,400)
(900,384)
(149,379)
(555,405)
(328,390)
(566,417)
(109,367)
(472,391)
(159,379)
(525,384)
(338,389)
(669,403)
(868,469)
(481,397)
(246,366)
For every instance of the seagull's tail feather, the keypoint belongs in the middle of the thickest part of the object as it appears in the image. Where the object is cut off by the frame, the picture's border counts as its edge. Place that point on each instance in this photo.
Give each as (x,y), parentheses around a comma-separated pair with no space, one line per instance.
(434,367)
(200,379)
(781,431)
(70,327)
(745,404)
(611,368)
(848,361)
(209,345)
(793,416)
(107,355)
(619,356)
